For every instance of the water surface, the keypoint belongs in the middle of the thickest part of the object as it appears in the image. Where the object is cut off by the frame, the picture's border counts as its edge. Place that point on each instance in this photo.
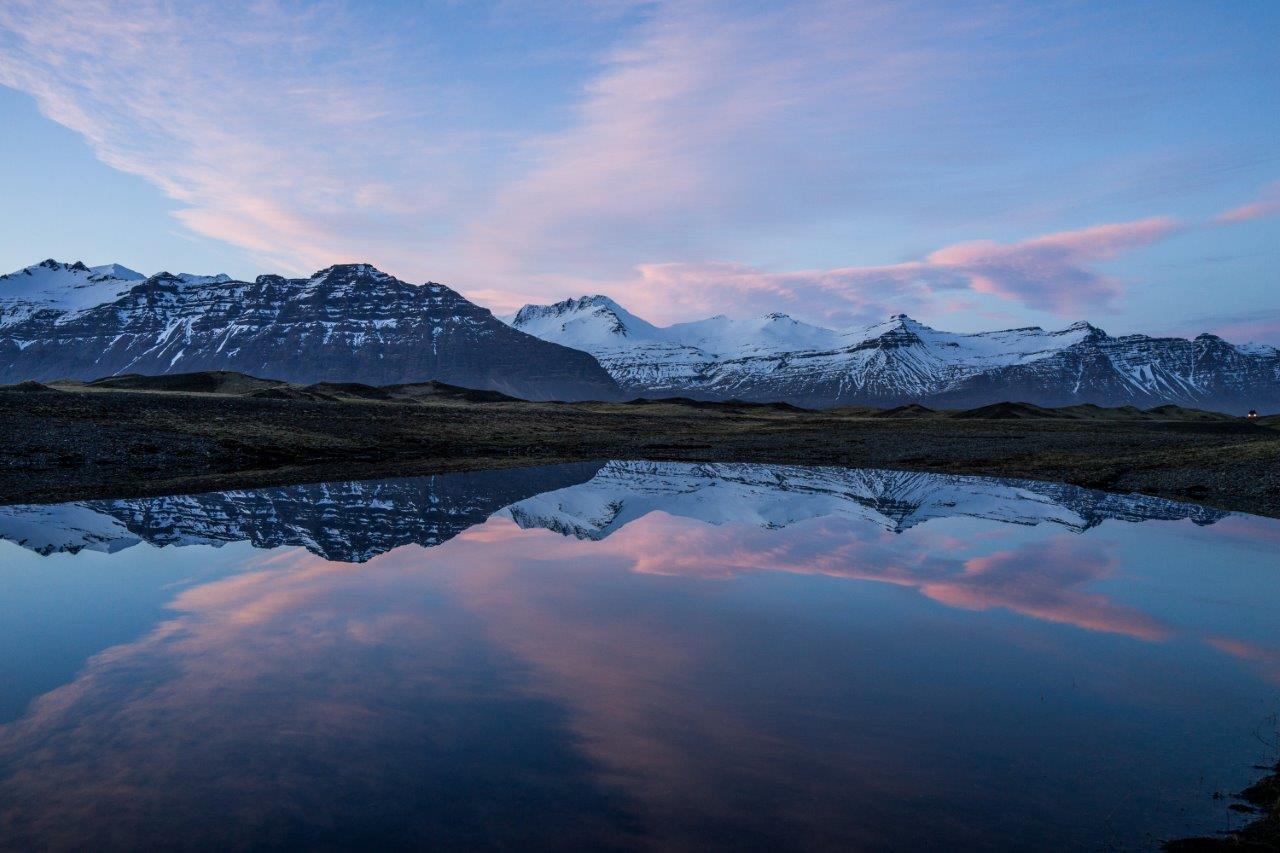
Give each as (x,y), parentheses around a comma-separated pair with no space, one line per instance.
(634,655)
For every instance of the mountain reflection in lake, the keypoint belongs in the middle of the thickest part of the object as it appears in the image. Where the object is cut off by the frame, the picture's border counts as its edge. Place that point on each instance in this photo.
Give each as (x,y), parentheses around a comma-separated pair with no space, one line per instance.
(632,655)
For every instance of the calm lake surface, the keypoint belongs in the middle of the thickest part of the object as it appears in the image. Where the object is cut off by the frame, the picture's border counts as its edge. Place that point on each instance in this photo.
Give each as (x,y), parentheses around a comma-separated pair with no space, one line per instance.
(634,655)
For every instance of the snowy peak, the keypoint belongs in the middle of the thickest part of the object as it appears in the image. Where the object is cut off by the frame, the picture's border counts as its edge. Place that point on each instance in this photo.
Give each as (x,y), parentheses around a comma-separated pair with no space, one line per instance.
(56,286)
(598,325)
(345,323)
(901,360)
(586,322)
(112,271)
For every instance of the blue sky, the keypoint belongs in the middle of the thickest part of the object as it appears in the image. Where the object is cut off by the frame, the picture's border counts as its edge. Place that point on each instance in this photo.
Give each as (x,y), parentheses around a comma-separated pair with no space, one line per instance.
(972,164)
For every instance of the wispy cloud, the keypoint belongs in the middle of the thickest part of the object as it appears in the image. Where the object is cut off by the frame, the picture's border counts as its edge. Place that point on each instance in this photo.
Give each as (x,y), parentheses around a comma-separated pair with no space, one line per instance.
(1267,204)
(256,118)
(686,156)
(1058,273)
(698,112)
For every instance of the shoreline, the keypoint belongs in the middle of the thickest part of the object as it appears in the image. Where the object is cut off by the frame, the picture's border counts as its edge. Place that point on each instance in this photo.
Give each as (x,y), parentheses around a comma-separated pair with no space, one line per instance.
(79,443)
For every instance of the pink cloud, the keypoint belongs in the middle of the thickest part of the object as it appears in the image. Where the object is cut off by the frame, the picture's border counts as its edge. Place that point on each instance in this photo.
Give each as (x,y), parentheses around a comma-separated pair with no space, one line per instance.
(1267,204)
(1054,272)
(257,119)
(670,137)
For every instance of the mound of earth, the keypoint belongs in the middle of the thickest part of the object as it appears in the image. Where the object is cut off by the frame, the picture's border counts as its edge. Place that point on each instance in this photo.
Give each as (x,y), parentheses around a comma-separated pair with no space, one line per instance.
(202,382)
(289,392)
(910,410)
(347,390)
(444,391)
(1182,413)
(746,405)
(732,405)
(29,387)
(1011,411)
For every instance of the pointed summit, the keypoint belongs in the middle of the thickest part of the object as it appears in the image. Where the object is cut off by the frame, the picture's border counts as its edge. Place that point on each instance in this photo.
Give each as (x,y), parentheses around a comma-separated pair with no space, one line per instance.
(56,286)
(582,323)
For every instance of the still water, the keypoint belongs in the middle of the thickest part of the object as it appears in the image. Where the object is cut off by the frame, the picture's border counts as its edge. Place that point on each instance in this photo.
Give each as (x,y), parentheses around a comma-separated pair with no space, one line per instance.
(634,655)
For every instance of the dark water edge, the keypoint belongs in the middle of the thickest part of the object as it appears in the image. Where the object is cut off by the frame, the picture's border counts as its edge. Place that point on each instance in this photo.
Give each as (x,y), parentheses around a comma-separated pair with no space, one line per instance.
(1259,804)
(355,522)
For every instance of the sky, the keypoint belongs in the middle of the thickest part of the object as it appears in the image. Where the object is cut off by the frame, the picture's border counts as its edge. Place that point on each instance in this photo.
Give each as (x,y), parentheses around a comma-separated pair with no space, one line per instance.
(974,165)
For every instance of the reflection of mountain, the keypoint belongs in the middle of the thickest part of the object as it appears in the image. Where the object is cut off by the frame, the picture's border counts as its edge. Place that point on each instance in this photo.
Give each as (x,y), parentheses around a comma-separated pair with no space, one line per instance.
(778,495)
(355,521)
(348,522)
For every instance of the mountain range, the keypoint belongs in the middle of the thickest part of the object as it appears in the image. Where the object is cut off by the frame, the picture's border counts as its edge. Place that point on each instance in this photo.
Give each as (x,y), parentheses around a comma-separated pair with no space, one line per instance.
(353,323)
(778,358)
(349,323)
(355,521)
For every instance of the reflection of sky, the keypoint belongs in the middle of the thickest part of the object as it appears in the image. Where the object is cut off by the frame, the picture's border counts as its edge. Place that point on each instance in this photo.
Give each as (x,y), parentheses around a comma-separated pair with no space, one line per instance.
(825,683)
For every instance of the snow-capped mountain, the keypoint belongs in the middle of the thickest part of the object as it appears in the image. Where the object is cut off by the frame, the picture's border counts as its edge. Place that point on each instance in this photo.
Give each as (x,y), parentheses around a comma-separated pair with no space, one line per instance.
(356,521)
(349,322)
(58,287)
(774,496)
(777,358)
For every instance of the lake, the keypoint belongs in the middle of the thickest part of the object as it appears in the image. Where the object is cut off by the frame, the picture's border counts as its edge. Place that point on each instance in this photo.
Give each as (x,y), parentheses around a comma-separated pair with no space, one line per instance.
(634,655)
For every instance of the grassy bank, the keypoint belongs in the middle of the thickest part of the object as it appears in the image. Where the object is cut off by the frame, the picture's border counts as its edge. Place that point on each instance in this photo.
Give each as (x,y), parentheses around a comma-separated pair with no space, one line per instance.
(122,438)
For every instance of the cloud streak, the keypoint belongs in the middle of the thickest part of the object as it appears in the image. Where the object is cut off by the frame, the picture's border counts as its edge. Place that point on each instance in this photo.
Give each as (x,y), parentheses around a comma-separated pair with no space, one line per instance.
(686,156)
(1057,273)
(1267,204)
(257,119)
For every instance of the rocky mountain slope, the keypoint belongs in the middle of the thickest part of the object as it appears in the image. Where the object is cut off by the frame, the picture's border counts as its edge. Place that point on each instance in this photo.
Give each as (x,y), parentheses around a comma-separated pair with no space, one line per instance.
(900,361)
(349,323)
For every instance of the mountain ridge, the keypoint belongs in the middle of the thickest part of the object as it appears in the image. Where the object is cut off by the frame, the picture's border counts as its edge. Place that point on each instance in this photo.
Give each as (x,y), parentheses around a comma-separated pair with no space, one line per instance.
(903,361)
(345,323)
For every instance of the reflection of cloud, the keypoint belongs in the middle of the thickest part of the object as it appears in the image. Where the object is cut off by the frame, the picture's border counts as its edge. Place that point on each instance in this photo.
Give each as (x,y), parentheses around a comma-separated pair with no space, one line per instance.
(1266,659)
(298,699)
(1047,581)
(553,670)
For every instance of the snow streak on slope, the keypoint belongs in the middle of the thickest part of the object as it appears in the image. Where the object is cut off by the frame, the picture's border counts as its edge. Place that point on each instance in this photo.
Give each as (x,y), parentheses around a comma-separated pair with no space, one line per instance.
(347,323)
(778,358)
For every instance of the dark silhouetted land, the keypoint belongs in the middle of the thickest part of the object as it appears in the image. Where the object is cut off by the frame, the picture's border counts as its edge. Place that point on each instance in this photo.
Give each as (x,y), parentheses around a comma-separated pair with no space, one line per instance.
(135,435)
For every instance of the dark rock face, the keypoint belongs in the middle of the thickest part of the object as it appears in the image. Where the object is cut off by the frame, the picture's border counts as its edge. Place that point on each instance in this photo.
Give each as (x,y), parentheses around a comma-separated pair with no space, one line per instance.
(348,323)
(1137,370)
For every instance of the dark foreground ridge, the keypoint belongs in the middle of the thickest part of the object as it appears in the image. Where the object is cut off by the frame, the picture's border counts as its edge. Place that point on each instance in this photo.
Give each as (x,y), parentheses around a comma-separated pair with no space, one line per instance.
(149,435)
